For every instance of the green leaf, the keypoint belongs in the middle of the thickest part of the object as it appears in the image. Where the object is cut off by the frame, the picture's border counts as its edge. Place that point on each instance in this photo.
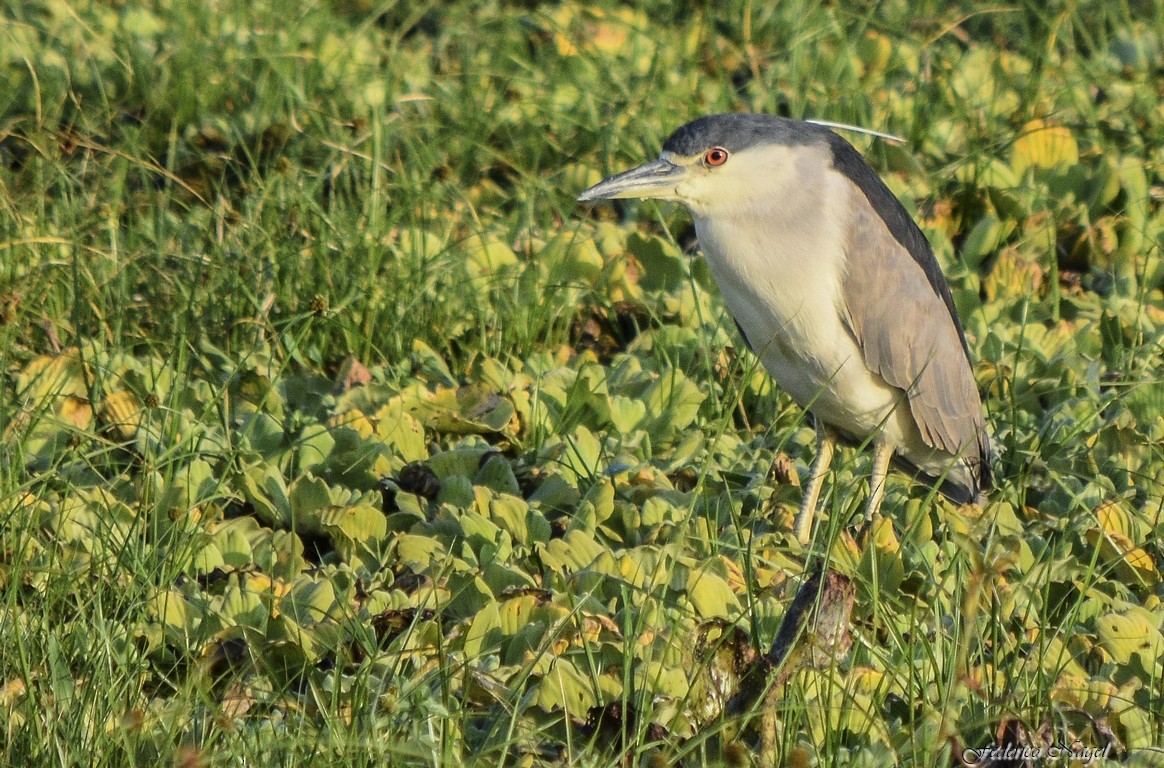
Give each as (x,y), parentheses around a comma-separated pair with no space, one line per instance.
(484,633)
(314,446)
(711,595)
(563,687)
(360,523)
(573,552)
(664,266)
(672,403)
(626,413)
(242,606)
(401,431)
(497,475)
(596,506)
(308,496)
(418,552)
(511,513)
(1136,631)
(471,409)
(456,491)
(309,601)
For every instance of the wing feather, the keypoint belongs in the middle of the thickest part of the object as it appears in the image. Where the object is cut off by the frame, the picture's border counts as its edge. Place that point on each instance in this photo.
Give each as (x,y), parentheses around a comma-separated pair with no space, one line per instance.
(910,336)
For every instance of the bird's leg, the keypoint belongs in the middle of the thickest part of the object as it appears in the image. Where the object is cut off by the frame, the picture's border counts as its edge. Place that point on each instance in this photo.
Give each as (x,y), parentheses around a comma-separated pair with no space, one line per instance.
(882,453)
(826,441)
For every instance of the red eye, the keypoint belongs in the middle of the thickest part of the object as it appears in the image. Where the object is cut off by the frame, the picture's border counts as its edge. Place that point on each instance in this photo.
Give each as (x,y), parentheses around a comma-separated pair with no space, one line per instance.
(715,156)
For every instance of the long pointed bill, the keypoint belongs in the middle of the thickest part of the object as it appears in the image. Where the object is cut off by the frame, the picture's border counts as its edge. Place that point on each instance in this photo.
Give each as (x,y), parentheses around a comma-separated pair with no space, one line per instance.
(656,179)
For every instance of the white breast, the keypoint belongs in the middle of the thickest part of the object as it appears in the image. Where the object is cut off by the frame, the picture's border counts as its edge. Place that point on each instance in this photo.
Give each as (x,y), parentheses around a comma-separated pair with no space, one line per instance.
(781,282)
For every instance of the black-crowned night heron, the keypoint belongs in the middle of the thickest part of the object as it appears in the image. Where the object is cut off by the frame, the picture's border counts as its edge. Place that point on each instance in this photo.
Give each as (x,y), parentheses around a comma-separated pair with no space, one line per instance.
(835,289)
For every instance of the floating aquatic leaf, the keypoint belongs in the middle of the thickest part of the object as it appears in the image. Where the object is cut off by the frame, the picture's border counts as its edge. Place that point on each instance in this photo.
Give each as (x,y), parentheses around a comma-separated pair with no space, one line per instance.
(353,418)
(1138,730)
(496,473)
(76,412)
(511,513)
(234,546)
(563,687)
(663,267)
(580,454)
(464,462)
(431,367)
(1040,145)
(574,551)
(243,606)
(266,492)
(121,412)
(1133,632)
(500,576)
(314,446)
(553,493)
(984,239)
(570,260)
(307,496)
(992,174)
(264,433)
(457,491)
(418,552)
(596,506)
(471,409)
(52,376)
(626,413)
(484,632)
(309,601)
(359,523)
(468,595)
(401,430)
(662,679)
(481,533)
(1012,275)
(711,595)
(486,259)
(178,617)
(1116,536)
(291,649)
(280,553)
(672,403)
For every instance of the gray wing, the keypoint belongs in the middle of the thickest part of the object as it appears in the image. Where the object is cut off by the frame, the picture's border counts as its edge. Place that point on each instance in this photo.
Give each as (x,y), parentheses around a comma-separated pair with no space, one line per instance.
(909,335)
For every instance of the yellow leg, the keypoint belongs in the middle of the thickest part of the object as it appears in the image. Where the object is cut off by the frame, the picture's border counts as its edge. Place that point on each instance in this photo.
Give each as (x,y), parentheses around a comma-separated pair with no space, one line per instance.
(882,453)
(826,441)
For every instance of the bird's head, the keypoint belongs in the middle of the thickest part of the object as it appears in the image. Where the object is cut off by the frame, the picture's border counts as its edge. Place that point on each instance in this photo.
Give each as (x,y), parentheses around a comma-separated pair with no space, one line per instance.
(722,161)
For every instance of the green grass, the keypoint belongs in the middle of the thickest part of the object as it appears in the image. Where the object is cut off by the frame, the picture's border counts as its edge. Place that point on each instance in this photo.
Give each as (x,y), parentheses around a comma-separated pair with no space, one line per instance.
(213,551)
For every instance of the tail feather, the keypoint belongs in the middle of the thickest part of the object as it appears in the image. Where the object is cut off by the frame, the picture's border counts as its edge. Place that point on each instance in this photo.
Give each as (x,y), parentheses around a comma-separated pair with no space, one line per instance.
(969,480)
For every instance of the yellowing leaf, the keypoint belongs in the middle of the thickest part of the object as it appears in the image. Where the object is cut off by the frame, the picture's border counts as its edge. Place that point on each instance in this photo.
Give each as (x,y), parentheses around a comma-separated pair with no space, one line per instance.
(711,595)
(564,687)
(1115,538)
(662,680)
(471,409)
(1043,146)
(574,551)
(484,631)
(355,419)
(121,413)
(76,411)
(361,522)
(486,257)
(1135,631)
(52,376)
